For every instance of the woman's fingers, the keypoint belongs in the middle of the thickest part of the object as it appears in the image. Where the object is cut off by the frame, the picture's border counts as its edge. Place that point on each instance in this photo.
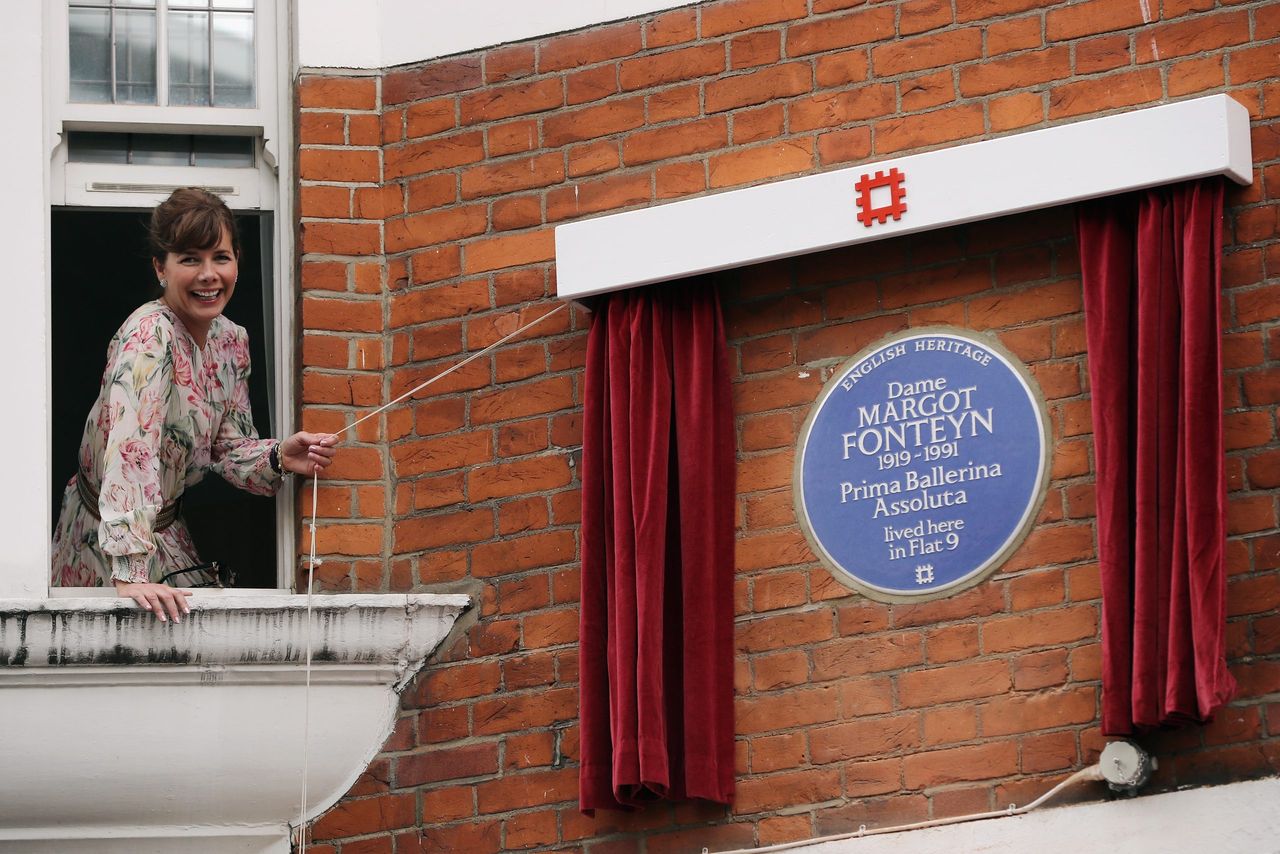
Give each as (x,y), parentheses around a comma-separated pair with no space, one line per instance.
(160,599)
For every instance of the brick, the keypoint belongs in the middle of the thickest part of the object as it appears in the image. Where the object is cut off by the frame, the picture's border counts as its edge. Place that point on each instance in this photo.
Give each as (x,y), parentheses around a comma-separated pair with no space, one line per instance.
(918,16)
(949,724)
(976,10)
(951,643)
(755,49)
(1055,751)
(845,107)
(839,69)
(739,15)
(1017,34)
(780,590)
(451,763)
(324,202)
(509,176)
(646,146)
(593,122)
(609,193)
(518,554)
(481,256)
(338,93)
(1199,35)
(857,28)
(432,79)
(442,529)
(366,815)
(960,765)
(675,102)
(438,302)
(858,739)
(440,453)
(932,51)
(460,682)
(356,463)
(679,179)
(757,87)
(349,540)
(473,837)
(966,681)
(432,192)
(773,160)
(341,315)
(777,753)
(785,710)
(554,628)
(843,146)
(589,47)
(364,130)
(783,670)
(378,203)
(529,830)
(509,63)
(774,791)
(1090,18)
(525,711)
(929,90)
(670,28)
(671,66)
(923,129)
(591,84)
(341,238)
(1046,710)
(321,129)
(763,123)
(593,158)
(427,229)
(516,212)
(433,154)
(1105,93)
(1020,70)
(860,655)
(1047,628)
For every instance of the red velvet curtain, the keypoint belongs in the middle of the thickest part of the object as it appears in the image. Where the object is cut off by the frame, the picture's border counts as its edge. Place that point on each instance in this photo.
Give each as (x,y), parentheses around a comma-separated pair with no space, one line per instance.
(656,644)
(1150,266)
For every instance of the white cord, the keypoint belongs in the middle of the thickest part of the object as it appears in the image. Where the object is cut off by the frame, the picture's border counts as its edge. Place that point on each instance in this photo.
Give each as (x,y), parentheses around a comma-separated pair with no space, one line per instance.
(1093,772)
(311,565)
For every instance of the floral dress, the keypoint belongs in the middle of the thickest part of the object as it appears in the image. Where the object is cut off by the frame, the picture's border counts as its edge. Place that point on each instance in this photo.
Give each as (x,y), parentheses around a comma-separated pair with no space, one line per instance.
(168,412)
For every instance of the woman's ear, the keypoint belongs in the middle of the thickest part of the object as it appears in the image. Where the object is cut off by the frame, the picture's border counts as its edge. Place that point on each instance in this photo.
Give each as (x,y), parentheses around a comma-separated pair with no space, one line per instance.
(158,267)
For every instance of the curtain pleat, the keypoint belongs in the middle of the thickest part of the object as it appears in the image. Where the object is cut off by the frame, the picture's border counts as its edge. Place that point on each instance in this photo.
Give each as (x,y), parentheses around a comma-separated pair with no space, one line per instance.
(656,640)
(1150,265)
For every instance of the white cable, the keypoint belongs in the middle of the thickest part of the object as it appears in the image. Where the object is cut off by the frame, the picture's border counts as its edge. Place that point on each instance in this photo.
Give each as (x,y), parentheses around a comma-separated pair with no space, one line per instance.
(311,564)
(1093,772)
(306,692)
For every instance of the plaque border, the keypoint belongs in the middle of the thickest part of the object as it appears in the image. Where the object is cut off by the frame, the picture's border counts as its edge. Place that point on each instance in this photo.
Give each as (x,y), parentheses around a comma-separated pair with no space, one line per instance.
(1029,516)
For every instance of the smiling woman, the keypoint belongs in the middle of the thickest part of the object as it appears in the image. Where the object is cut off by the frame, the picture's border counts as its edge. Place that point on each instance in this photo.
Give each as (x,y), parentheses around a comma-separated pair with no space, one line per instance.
(173,405)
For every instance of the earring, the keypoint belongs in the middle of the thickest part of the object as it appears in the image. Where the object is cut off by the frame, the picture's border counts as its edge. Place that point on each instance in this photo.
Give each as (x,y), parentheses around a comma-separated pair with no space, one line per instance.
(164,284)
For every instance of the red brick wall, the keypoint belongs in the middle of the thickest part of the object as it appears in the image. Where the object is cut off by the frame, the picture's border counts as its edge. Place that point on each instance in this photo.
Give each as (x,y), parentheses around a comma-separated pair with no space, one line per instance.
(428,198)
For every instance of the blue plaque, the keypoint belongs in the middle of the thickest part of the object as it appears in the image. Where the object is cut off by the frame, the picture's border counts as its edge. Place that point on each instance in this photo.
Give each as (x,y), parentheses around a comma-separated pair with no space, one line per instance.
(922,465)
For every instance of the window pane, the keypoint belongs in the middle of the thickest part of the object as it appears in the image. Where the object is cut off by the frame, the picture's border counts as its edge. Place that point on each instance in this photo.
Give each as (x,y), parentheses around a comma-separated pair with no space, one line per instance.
(224,151)
(91,56)
(89,147)
(75,3)
(135,57)
(233,4)
(189,58)
(150,4)
(232,59)
(161,149)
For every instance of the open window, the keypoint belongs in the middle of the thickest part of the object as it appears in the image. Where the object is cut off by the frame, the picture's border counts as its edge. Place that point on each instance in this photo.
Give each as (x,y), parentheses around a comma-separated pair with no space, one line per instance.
(146,96)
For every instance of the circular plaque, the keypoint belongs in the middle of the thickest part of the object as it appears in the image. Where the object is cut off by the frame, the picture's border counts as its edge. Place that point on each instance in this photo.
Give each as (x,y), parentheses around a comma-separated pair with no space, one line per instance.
(922,465)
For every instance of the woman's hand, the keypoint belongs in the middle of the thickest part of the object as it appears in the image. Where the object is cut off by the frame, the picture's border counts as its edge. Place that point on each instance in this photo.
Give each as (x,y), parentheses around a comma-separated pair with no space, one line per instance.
(156,598)
(307,453)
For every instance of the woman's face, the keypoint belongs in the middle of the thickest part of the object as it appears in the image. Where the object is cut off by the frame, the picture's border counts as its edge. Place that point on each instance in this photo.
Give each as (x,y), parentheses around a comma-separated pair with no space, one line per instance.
(199,284)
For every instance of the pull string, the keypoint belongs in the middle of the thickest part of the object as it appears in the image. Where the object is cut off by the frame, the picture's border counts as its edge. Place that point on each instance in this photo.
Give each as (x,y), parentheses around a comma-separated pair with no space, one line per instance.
(476,355)
(311,561)
(306,691)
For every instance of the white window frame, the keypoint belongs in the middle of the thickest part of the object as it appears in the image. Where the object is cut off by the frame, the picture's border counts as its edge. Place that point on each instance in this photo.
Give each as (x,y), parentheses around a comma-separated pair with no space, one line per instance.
(100,185)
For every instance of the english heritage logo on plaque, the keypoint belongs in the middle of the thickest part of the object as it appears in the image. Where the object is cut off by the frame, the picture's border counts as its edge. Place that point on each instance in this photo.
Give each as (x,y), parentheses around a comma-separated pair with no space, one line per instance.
(922,465)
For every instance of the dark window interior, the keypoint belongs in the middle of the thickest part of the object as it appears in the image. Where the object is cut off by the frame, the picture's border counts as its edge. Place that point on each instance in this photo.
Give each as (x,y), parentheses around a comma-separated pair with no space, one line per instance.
(101,273)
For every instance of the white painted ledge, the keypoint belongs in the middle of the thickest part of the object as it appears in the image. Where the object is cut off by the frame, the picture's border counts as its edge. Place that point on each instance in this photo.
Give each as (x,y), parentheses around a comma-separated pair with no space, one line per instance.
(1239,818)
(980,180)
(121,733)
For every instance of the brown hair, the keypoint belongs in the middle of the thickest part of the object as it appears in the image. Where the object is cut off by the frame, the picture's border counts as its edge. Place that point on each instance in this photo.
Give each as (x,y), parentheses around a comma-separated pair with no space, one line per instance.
(191,218)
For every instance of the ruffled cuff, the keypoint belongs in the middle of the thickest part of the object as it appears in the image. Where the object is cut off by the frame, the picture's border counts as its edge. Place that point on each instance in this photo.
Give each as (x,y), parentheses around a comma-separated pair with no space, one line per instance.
(132,569)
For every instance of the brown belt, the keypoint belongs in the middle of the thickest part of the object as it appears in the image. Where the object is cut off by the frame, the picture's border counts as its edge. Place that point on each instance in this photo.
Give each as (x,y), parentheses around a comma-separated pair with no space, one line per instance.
(167,516)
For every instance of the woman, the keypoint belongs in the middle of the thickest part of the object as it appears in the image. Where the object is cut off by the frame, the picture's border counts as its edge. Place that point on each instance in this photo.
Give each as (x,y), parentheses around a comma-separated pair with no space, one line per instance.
(174,405)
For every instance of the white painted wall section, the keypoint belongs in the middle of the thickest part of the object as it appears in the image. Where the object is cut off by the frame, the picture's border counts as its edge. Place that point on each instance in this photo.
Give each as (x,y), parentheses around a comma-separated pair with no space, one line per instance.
(383,33)
(1240,818)
(24,242)
(981,180)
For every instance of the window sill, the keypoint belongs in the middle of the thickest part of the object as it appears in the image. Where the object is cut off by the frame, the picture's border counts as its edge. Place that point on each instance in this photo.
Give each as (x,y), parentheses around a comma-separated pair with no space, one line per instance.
(116,727)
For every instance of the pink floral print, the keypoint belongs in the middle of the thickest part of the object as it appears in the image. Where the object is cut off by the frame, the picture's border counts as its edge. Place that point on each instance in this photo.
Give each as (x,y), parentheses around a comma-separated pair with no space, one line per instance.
(167,413)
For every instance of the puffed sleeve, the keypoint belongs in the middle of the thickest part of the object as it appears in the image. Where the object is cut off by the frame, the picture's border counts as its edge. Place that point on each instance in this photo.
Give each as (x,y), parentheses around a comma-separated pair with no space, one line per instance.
(130,495)
(238,455)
